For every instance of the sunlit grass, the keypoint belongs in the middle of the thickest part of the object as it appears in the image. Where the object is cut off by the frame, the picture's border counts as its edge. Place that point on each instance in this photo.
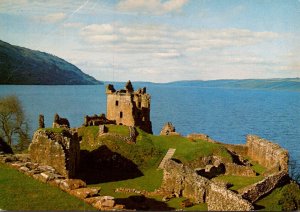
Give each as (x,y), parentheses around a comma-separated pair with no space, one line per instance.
(239,182)
(20,192)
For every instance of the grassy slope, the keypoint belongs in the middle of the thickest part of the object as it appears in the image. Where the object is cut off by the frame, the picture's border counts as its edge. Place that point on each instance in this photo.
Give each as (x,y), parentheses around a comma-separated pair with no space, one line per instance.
(282,198)
(20,192)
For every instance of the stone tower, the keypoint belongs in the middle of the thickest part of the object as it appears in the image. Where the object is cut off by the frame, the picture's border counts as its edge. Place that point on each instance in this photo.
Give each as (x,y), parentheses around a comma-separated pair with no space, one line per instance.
(129,107)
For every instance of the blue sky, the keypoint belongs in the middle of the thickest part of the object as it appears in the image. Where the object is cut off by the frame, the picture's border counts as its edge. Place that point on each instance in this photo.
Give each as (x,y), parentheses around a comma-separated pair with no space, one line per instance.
(161,40)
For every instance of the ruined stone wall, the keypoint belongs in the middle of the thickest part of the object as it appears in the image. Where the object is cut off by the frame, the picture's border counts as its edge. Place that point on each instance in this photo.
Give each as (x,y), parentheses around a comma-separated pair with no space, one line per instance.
(96,120)
(183,181)
(59,150)
(239,170)
(255,191)
(222,199)
(268,154)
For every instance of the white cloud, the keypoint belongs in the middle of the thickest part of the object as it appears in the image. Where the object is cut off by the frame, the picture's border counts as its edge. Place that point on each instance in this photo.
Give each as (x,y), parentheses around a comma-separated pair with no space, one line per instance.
(160,53)
(53,17)
(168,41)
(156,7)
(168,54)
(73,25)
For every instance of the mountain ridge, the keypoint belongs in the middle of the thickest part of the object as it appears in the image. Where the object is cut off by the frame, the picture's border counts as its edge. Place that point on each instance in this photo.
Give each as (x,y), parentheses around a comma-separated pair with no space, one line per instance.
(23,66)
(289,84)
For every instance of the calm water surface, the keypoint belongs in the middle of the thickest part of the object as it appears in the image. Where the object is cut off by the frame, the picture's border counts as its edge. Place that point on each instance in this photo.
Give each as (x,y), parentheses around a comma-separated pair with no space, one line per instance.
(227,115)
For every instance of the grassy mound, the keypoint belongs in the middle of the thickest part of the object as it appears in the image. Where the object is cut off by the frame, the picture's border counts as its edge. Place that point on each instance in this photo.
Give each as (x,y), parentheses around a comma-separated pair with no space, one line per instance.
(146,153)
(20,192)
(150,149)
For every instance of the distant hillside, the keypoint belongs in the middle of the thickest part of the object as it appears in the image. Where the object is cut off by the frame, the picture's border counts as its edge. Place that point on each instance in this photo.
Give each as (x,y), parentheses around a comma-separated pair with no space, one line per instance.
(288,84)
(23,66)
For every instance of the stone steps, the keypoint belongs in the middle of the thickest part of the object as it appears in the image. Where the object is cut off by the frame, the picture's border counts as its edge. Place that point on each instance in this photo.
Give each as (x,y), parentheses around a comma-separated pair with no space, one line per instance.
(168,156)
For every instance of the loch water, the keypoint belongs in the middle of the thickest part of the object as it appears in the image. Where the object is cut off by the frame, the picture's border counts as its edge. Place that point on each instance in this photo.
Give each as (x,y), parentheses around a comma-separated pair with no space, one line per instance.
(226,115)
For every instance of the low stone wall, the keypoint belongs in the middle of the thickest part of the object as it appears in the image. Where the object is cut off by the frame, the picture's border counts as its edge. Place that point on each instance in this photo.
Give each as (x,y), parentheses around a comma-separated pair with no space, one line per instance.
(255,191)
(268,154)
(183,181)
(222,199)
(239,170)
(200,136)
(59,150)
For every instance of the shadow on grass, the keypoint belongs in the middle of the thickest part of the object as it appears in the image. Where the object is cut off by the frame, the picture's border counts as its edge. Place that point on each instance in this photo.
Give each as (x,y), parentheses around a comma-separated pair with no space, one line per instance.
(143,203)
(258,207)
(103,165)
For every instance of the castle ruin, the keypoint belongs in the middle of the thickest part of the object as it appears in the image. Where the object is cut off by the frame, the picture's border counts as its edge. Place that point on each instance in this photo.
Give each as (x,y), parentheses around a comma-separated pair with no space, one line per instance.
(129,107)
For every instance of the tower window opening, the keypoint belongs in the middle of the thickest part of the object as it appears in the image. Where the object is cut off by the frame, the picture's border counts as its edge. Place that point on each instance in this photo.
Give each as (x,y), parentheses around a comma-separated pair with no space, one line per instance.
(121,114)
(117,103)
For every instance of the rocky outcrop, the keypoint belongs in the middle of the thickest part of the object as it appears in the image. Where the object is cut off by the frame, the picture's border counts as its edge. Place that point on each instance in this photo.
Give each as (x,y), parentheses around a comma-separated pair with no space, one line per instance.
(255,191)
(268,154)
(59,150)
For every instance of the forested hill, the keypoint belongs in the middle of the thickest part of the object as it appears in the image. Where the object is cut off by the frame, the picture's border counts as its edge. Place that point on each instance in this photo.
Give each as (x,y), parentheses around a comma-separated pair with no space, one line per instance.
(288,84)
(24,66)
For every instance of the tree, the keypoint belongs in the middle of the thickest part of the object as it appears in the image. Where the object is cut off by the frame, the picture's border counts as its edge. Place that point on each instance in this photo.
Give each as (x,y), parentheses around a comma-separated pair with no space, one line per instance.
(13,123)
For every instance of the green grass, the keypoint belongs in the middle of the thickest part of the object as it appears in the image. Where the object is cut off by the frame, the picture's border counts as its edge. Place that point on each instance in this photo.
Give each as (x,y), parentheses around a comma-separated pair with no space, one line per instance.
(149,182)
(258,168)
(119,129)
(149,149)
(147,153)
(239,182)
(285,198)
(55,130)
(20,192)
(186,150)
(175,203)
